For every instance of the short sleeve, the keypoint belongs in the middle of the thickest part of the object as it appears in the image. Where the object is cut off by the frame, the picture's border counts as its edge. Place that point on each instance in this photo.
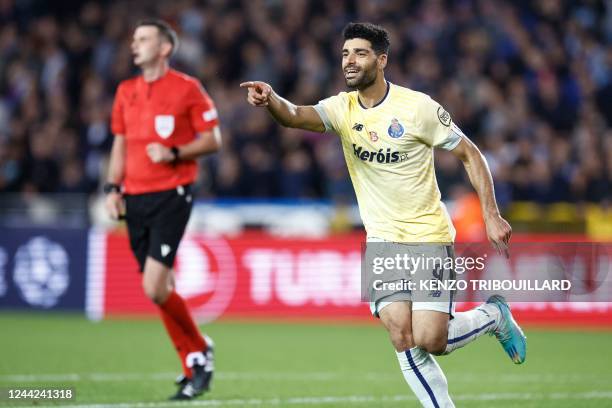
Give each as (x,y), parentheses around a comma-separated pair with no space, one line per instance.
(117,114)
(436,125)
(202,111)
(332,112)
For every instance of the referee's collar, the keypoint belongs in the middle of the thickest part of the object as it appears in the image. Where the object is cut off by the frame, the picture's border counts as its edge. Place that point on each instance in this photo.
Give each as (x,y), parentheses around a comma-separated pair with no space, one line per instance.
(160,78)
(379,102)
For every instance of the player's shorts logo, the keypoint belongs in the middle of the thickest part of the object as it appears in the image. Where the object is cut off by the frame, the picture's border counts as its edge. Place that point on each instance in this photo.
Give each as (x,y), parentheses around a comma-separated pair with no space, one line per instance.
(396,130)
(443,116)
(164,125)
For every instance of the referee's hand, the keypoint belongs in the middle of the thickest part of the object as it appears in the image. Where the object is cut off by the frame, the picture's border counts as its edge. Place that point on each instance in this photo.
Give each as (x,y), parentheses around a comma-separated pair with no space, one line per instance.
(158,153)
(115,206)
(258,92)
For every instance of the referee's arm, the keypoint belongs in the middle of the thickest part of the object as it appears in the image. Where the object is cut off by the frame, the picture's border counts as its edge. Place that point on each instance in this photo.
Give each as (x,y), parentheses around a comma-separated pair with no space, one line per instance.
(207,142)
(116,169)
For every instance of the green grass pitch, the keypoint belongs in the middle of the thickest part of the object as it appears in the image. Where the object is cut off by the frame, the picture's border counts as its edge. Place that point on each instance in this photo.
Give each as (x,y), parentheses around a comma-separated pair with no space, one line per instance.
(129,363)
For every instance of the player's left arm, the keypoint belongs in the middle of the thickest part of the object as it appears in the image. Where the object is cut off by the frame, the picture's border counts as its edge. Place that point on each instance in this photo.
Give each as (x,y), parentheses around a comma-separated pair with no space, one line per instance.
(498,229)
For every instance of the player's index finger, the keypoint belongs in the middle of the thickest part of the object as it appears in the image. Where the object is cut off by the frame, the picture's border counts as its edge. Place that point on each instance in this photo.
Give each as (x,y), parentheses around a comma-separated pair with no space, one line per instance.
(248,84)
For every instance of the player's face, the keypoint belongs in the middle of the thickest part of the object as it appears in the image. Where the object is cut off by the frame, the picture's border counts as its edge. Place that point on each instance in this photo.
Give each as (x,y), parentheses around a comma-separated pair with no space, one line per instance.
(359,63)
(146,45)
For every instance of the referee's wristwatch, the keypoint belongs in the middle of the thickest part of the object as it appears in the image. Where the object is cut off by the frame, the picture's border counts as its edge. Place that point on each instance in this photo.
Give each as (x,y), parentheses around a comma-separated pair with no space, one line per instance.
(111,188)
(175,153)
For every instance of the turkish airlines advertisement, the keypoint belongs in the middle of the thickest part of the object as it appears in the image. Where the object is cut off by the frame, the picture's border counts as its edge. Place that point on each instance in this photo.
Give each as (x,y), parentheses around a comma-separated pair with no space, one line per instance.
(255,275)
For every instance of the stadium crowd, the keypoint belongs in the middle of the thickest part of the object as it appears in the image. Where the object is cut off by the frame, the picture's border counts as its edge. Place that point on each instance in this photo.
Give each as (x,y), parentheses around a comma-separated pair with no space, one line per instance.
(529,82)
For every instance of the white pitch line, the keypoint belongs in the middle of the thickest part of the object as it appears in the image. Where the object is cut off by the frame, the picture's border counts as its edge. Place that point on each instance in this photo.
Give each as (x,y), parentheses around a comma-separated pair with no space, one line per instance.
(102,377)
(298,376)
(347,400)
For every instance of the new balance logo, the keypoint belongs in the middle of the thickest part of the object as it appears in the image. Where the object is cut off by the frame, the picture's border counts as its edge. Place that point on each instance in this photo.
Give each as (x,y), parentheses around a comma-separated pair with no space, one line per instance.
(165,249)
(358,127)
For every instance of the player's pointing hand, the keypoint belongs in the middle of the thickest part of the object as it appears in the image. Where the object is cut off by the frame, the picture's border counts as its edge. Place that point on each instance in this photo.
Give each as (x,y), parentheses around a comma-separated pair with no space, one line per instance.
(258,92)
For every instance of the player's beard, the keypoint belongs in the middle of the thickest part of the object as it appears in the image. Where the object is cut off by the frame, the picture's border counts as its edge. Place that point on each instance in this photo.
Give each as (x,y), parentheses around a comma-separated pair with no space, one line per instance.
(363,81)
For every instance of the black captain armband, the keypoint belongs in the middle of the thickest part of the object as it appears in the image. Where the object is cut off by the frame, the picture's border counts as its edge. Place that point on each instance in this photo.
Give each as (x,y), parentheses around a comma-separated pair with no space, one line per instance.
(111,188)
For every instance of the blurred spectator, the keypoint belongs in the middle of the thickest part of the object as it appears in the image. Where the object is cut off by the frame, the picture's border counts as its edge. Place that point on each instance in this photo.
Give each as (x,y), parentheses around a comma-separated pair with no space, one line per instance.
(530,82)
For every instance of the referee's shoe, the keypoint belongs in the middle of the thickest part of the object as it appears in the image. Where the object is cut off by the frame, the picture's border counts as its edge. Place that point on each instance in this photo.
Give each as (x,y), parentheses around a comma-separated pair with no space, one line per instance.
(201,376)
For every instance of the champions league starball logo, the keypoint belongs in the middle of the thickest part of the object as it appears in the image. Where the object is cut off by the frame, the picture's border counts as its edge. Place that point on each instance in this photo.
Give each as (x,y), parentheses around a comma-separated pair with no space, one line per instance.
(41,272)
(206,275)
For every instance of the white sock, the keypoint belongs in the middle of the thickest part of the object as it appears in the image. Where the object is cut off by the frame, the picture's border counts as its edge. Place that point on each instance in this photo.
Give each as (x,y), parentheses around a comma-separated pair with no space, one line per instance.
(195,358)
(466,327)
(425,378)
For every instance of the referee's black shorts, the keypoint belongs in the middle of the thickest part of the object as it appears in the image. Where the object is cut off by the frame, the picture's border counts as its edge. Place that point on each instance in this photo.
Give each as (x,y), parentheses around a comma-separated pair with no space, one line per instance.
(156,223)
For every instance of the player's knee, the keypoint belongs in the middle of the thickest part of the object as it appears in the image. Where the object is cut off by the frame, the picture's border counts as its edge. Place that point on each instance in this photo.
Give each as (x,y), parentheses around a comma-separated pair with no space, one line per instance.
(157,293)
(434,343)
(401,338)
(402,343)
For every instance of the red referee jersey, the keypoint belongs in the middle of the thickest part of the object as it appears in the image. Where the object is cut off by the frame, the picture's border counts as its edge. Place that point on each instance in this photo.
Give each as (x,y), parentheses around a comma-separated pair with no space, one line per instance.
(170,110)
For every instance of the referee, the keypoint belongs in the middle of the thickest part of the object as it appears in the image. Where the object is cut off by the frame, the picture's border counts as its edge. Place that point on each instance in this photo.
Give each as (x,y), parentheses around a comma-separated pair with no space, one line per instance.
(162,121)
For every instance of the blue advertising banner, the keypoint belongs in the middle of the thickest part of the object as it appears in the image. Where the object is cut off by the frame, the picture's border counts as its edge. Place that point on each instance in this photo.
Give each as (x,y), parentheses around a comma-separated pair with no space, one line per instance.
(43,268)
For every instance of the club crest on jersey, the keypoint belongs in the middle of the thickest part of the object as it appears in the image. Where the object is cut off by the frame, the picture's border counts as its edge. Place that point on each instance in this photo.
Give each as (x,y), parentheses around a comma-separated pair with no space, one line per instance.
(396,130)
(164,125)
(373,136)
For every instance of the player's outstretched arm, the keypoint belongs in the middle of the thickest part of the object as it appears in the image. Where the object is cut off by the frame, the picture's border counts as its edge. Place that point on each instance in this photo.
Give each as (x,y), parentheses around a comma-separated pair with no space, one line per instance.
(498,229)
(283,111)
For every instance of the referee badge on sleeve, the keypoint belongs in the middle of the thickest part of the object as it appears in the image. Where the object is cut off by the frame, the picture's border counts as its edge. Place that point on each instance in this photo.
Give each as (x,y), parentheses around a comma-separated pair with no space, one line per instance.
(164,125)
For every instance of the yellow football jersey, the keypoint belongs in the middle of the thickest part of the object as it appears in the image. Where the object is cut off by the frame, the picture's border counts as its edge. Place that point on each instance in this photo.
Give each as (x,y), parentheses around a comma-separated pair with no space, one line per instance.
(388,149)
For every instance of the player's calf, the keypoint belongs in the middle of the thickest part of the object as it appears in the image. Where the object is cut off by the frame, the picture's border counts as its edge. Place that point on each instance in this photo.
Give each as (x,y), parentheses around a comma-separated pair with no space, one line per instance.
(418,367)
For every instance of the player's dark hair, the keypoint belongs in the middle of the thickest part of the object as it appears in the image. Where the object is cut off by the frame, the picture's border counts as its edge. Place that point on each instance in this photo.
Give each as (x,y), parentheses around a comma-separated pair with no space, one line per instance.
(165,31)
(376,35)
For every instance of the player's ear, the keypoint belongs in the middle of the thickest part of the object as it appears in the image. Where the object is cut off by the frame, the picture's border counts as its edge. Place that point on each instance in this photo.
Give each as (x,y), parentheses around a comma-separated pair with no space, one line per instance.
(382,61)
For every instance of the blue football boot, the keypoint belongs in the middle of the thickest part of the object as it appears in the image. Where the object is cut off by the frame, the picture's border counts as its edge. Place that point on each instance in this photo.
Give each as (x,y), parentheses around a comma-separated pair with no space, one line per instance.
(508,333)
